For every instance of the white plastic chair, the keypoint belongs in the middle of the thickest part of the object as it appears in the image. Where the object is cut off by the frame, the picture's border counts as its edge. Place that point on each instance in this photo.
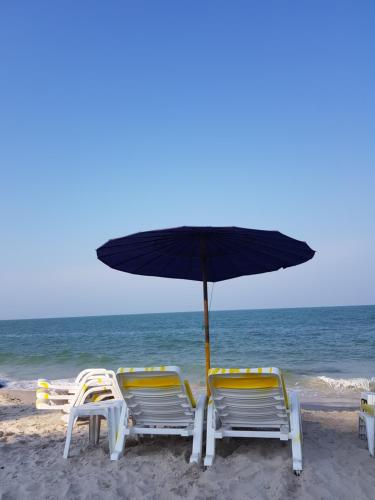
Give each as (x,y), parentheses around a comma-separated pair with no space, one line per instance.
(110,410)
(252,402)
(91,385)
(69,387)
(367,420)
(160,402)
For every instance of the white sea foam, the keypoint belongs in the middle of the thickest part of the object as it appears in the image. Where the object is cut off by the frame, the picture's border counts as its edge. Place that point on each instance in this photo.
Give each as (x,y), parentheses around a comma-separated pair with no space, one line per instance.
(29,385)
(348,384)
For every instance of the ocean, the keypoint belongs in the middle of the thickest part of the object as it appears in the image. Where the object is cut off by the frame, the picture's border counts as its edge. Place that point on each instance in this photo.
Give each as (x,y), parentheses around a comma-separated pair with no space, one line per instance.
(322,350)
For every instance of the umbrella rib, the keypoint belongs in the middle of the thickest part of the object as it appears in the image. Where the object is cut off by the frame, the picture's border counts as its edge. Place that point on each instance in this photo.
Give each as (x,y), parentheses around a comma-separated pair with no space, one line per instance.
(247,255)
(160,248)
(159,257)
(288,254)
(133,242)
(286,242)
(152,259)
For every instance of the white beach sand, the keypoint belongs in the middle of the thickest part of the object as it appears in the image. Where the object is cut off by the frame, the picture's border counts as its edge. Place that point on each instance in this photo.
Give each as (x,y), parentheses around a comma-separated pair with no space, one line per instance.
(336,463)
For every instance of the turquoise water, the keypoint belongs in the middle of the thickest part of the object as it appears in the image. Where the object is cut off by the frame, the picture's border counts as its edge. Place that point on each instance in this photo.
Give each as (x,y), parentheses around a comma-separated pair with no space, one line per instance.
(337,343)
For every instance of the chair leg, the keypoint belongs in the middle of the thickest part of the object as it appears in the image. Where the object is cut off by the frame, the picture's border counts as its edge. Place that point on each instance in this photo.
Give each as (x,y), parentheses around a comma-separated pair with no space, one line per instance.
(120,434)
(112,429)
(198,430)
(361,426)
(117,417)
(97,429)
(92,429)
(69,430)
(210,439)
(296,433)
(370,431)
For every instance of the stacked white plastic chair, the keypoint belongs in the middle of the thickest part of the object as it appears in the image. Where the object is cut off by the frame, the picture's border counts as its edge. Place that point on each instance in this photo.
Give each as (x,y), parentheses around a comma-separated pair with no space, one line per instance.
(97,397)
(367,420)
(159,401)
(68,387)
(111,410)
(252,403)
(93,384)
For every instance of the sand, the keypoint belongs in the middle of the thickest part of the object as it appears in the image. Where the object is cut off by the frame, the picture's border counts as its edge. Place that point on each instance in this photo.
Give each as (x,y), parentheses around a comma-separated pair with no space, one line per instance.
(336,463)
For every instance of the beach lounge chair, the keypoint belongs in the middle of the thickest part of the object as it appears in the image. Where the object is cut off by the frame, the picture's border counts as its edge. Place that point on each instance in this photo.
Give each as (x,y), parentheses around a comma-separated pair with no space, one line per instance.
(159,402)
(252,403)
(91,385)
(367,420)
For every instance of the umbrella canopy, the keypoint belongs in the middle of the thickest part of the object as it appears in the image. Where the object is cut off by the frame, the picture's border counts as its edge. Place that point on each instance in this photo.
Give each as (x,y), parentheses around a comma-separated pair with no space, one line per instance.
(204,254)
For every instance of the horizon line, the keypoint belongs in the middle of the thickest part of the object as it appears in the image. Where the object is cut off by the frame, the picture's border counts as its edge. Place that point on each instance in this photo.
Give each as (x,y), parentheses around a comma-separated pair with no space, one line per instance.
(185,312)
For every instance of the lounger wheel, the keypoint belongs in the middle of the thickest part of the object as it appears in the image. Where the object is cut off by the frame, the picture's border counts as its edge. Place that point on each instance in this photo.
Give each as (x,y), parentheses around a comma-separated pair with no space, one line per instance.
(297,472)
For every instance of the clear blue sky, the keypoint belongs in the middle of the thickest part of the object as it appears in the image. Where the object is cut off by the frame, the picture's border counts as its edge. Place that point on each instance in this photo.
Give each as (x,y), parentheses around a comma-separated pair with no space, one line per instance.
(122,116)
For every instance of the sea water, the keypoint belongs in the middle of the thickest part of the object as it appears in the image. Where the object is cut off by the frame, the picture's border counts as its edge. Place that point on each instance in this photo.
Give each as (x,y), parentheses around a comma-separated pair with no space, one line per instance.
(323,351)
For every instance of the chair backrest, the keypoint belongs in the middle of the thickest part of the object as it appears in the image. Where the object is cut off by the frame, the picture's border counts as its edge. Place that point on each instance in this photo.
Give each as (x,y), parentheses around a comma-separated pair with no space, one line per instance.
(157,395)
(92,373)
(95,385)
(249,397)
(87,374)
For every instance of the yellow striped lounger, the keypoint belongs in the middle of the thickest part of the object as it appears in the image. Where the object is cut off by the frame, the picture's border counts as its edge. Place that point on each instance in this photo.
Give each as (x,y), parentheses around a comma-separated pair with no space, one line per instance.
(252,402)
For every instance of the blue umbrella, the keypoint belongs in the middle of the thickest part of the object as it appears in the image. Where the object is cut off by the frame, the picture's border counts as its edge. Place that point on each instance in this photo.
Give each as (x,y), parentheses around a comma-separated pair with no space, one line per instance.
(204,254)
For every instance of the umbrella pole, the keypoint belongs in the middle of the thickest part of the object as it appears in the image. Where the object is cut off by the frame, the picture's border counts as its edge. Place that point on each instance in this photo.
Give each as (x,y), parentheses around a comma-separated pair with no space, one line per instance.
(206,330)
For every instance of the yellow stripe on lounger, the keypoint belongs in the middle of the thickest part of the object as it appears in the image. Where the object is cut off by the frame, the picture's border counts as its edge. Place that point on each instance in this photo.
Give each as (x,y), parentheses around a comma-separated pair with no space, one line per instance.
(246,381)
(190,394)
(284,391)
(158,382)
(44,384)
(155,381)
(42,395)
(369,409)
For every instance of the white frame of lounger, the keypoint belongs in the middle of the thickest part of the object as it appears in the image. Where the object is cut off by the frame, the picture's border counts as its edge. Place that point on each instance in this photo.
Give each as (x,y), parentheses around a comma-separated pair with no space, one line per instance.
(369,420)
(193,428)
(216,430)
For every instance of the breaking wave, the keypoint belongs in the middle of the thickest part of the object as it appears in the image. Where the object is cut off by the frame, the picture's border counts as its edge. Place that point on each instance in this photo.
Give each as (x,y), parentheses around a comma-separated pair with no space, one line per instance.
(345,384)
